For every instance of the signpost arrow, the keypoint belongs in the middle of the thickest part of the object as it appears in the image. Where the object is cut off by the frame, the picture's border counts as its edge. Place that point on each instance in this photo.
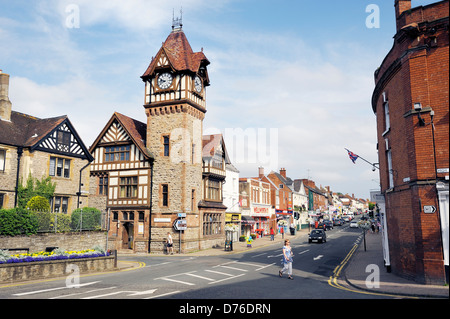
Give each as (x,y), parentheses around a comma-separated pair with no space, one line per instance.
(429,209)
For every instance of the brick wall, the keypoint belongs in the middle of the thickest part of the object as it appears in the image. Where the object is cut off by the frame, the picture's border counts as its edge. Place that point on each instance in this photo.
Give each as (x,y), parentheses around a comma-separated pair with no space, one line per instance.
(415,71)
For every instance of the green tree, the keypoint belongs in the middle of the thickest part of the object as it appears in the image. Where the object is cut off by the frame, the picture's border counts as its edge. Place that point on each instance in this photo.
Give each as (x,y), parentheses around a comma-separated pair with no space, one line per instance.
(35,187)
(38,203)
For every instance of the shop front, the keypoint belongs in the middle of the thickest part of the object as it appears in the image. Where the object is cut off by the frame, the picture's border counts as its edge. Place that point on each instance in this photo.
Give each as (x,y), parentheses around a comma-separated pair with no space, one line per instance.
(261,214)
(234,219)
(284,219)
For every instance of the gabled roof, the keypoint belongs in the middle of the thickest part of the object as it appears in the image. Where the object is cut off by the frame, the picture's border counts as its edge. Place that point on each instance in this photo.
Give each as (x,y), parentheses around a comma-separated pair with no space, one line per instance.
(211,143)
(31,132)
(26,130)
(136,130)
(180,55)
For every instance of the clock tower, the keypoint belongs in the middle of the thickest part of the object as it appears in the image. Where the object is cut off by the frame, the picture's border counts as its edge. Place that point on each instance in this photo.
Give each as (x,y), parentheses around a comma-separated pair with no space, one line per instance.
(175,105)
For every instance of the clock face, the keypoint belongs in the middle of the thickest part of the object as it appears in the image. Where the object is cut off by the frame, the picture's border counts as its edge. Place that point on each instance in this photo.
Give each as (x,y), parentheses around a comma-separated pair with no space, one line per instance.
(198,84)
(165,80)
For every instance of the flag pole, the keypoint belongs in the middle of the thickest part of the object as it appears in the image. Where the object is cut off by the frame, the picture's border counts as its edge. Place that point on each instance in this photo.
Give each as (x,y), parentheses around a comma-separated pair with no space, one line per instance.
(372,164)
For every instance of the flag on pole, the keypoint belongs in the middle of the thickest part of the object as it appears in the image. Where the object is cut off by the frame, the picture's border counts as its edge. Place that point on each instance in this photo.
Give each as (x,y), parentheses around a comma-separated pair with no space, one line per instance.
(352,156)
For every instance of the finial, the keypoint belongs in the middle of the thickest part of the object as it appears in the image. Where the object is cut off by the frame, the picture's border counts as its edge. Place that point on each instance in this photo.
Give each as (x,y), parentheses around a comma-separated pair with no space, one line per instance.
(177,23)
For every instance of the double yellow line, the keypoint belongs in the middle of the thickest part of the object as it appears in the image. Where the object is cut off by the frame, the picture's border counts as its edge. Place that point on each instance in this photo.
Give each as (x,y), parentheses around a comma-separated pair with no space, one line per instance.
(333,280)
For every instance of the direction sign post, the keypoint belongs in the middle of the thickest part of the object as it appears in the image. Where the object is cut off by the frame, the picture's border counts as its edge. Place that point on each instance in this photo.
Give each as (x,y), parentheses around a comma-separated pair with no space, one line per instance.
(180,225)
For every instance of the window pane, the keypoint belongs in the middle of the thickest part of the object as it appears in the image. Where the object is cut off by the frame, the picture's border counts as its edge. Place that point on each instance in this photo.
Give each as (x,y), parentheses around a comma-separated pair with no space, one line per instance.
(52,166)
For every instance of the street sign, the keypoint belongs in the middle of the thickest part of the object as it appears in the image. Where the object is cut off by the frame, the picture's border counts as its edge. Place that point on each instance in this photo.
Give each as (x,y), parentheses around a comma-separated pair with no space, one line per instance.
(180,224)
(429,209)
(181,215)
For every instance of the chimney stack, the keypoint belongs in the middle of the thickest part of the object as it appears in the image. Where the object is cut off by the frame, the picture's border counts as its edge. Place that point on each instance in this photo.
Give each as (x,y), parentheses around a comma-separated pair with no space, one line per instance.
(261,172)
(400,7)
(5,103)
(283,172)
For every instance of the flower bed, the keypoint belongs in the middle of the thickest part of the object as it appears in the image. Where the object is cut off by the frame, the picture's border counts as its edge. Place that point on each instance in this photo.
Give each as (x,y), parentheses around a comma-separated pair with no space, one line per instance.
(56,254)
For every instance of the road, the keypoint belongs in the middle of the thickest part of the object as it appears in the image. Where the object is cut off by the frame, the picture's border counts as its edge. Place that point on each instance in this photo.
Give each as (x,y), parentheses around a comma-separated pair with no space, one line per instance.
(248,275)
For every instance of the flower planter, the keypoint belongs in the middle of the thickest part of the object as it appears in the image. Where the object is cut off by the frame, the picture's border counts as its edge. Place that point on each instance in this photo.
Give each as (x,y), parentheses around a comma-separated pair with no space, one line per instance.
(20,271)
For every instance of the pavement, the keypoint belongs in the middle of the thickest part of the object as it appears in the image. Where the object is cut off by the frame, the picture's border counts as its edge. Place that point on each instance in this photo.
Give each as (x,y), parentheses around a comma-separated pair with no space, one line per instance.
(353,273)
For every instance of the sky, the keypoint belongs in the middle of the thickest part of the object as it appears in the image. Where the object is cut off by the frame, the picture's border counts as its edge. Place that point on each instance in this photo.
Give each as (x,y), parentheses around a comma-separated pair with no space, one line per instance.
(291,80)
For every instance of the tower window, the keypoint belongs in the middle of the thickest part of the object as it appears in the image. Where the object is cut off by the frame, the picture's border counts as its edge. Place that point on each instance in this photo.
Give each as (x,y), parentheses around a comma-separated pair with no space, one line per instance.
(165,194)
(166,142)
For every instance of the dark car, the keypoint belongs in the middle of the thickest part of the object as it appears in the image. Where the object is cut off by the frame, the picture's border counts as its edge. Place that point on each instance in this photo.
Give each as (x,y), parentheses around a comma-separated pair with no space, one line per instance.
(328,224)
(337,222)
(318,235)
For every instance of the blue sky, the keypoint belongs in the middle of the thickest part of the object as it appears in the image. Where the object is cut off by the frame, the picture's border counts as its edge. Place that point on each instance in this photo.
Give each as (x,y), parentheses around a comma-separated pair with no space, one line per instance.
(297,71)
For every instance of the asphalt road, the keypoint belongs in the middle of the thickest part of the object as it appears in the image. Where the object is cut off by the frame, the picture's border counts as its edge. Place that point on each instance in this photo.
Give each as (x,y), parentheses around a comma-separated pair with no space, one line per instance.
(251,275)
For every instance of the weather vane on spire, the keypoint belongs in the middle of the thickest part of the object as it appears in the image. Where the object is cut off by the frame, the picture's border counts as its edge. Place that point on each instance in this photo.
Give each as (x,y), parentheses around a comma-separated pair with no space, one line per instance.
(177,23)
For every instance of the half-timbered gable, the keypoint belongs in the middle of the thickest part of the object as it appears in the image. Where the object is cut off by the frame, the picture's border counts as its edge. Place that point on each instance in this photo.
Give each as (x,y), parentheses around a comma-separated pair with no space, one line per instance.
(121,180)
(41,148)
(63,140)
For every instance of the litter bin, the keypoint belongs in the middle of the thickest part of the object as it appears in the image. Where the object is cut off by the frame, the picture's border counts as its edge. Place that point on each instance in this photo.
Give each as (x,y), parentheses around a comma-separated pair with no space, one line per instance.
(293,230)
(228,245)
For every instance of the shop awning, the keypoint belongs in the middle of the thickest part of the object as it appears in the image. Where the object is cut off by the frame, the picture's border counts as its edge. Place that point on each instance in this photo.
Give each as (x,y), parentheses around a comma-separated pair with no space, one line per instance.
(247,220)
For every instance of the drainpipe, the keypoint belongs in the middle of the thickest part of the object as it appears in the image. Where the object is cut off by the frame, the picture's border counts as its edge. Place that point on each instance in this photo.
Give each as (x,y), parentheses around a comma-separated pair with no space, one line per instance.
(79,184)
(19,155)
(151,204)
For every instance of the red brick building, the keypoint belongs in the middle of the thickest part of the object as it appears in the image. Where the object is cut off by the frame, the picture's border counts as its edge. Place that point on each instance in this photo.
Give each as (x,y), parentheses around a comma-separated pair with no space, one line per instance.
(411,103)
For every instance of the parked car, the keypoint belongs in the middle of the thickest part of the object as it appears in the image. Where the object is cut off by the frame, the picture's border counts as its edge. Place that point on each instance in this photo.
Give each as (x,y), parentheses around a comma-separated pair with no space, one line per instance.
(346,218)
(318,235)
(353,224)
(328,224)
(321,225)
(337,222)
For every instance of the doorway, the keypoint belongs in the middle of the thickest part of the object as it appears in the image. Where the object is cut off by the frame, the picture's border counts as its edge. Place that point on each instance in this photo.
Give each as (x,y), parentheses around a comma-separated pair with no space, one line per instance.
(127,235)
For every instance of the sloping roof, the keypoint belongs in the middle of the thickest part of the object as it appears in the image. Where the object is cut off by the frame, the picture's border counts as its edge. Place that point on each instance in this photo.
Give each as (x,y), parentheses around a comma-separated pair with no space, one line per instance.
(26,130)
(180,54)
(210,144)
(135,129)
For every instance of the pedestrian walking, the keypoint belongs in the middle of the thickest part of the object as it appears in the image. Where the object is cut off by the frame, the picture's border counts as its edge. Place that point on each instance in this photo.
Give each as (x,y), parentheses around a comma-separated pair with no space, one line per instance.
(272,234)
(287,259)
(169,244)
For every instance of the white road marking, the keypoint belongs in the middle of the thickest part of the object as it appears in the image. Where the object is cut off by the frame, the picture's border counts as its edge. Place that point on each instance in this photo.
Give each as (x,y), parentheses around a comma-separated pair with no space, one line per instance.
(219,272)
(226,279)
(82,293)
(177,281)
(162,295)
(53,289)
(201,277)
